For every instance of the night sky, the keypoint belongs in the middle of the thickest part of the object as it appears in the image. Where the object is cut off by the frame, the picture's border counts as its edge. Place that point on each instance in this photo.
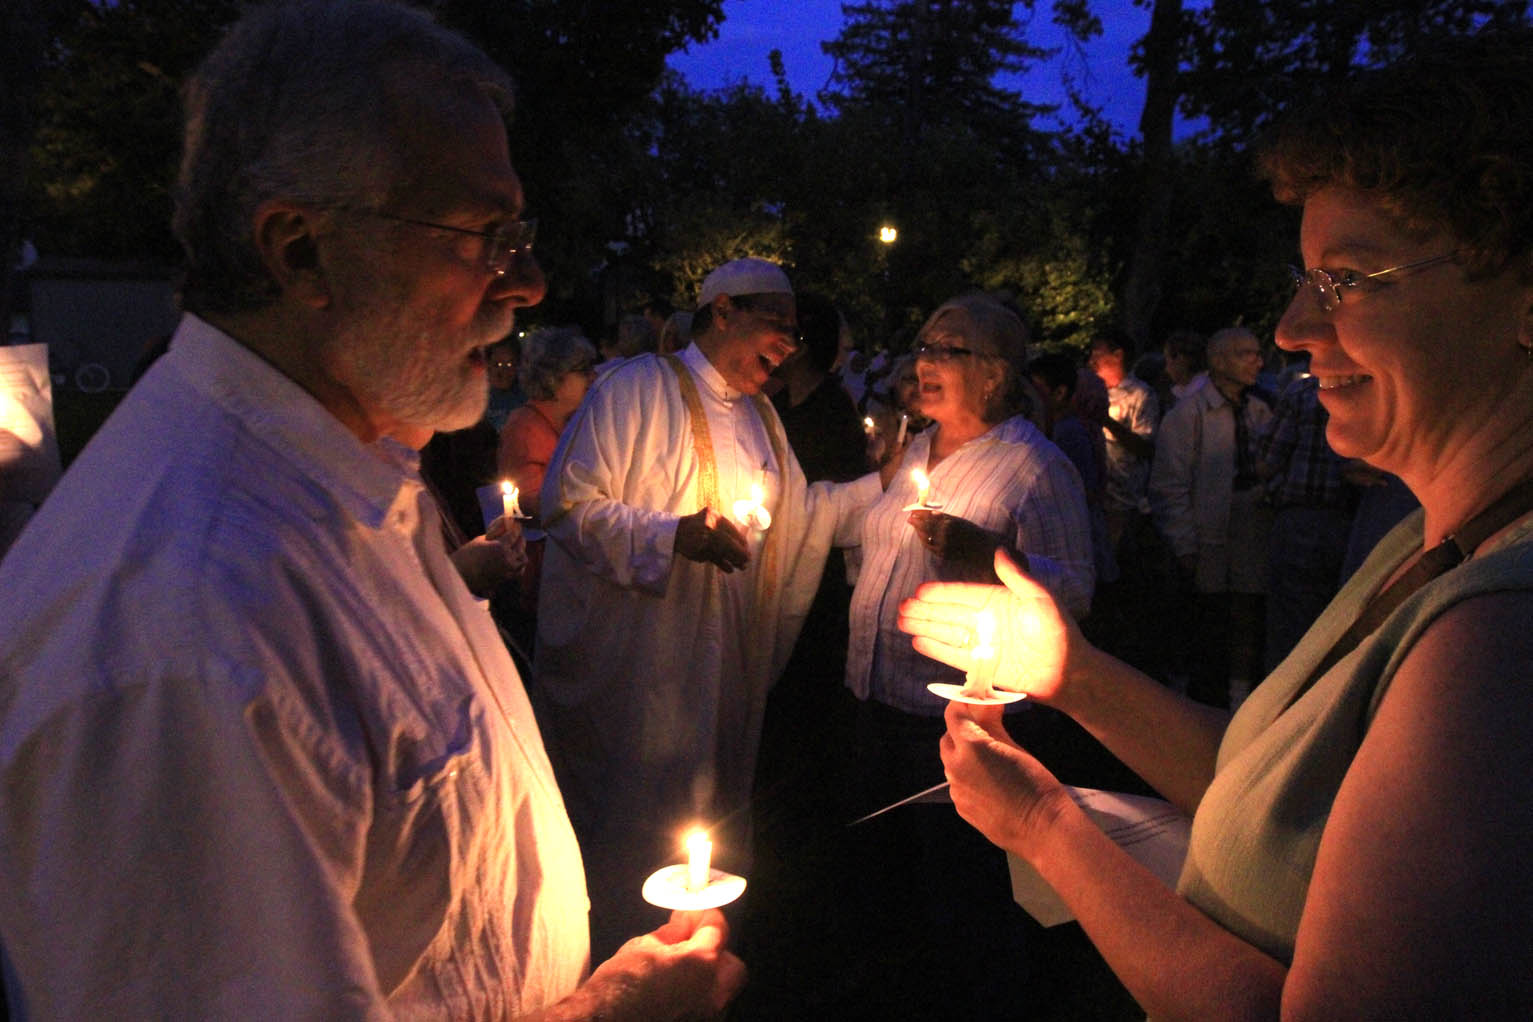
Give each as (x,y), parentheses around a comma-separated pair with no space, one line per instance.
(753,28)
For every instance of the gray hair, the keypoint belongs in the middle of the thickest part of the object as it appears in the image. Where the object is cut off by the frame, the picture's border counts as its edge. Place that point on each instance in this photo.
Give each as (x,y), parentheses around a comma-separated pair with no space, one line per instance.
(299,102)
(987,317)
(549,353)
(1222,341)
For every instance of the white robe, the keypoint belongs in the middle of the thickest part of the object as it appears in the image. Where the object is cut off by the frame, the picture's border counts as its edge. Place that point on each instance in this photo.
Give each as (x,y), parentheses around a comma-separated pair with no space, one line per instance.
(652,669)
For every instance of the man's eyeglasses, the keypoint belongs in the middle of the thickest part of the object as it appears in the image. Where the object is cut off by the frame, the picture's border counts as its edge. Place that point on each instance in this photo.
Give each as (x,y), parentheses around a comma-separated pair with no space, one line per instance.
(1328,286)
(768,315)
(941,352)
(504,243)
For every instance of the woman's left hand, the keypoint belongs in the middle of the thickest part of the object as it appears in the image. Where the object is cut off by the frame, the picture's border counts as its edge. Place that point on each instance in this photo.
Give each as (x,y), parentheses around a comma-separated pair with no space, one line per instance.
(950,538)
(487,561)
(508,533)
(1000,789)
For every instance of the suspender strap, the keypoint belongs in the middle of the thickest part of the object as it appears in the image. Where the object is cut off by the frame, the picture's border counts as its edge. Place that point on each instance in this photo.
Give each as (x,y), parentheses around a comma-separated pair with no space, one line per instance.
(770,550)
(708,473)
(702,441)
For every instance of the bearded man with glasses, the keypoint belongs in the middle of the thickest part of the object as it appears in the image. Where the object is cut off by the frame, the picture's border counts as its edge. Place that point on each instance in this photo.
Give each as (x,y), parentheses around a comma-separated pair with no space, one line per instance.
(261,753)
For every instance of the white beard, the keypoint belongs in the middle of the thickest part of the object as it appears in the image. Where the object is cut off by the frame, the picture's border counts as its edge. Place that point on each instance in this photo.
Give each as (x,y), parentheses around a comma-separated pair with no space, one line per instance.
(403,363)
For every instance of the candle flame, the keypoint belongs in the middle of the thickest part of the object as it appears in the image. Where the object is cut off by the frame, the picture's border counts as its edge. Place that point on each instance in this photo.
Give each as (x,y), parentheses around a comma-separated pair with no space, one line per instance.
(752,513)
(923,485)
(699,851)
(510,500)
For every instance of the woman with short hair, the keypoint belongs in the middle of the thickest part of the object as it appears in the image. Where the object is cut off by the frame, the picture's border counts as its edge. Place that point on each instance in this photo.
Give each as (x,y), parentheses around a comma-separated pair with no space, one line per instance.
(1361,827)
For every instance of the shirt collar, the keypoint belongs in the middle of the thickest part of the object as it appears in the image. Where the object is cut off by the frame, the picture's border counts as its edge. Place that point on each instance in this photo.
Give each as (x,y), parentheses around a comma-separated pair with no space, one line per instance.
(695,360)
(365,479)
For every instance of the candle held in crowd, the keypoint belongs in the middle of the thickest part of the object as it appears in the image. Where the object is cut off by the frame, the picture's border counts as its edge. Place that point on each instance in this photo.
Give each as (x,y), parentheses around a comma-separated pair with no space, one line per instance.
(510,500)
(977,679)
(699,852)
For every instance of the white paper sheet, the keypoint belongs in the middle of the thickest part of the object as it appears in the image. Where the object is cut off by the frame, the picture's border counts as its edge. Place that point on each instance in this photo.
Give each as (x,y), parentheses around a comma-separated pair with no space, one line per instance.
(1153,831)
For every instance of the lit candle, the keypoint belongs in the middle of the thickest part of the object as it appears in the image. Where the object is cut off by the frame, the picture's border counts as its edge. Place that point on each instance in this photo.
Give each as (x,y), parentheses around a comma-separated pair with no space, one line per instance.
(510,507)
(868,425)
(699,851)
(752,513)
(977,679)
(923,485)
(899,441)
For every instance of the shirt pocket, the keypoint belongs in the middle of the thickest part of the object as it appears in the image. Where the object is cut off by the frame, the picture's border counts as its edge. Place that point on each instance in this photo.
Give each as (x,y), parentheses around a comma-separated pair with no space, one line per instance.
(429,826)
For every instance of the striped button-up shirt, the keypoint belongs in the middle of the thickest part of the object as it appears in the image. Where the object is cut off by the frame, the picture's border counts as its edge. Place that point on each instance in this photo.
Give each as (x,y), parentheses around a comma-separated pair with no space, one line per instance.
(1011,481)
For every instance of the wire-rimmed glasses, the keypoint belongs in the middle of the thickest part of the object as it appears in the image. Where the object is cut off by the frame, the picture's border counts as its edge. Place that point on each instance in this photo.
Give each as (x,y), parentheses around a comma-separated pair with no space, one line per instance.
(941,352)
(504,243)
(1328,286)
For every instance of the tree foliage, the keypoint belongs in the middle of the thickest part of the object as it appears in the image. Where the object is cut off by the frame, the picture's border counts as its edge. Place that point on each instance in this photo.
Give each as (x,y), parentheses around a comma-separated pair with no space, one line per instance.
(585,70)
(1243,62)
(933,65)
(107,139)
(644,184)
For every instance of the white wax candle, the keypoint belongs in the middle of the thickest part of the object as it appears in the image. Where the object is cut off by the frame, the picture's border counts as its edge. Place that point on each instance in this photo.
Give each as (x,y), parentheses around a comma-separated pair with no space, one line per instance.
(699,851)
(868,426)
(977,680)
(752,513)
(923,485)
(899,441)
(509,505)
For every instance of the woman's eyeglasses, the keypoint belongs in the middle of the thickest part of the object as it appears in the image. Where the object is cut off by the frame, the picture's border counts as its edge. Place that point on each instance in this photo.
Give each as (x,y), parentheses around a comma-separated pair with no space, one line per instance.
(1329,286)
(941,352)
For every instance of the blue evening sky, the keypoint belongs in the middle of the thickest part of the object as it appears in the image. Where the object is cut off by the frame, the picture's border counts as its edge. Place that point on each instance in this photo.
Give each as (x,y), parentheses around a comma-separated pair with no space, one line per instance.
(753,28)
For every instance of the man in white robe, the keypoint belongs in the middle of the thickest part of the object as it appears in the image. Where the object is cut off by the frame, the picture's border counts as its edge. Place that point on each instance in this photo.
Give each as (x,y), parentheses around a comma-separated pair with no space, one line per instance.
(667,610)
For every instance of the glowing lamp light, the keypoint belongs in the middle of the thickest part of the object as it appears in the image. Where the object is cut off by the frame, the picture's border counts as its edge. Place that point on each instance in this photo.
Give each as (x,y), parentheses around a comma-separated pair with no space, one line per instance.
(888,234)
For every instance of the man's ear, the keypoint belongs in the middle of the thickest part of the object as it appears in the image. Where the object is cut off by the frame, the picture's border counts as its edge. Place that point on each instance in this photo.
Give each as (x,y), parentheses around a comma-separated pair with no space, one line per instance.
(286,235)
(724,308)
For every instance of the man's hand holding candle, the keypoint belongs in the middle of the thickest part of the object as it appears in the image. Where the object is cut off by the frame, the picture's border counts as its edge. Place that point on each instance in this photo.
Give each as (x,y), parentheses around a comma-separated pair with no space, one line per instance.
(711,538)
(487,561)
(679,971)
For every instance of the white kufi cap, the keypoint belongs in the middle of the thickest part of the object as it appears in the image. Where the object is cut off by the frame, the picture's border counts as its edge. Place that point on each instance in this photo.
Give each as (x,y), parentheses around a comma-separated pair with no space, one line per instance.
(744,277)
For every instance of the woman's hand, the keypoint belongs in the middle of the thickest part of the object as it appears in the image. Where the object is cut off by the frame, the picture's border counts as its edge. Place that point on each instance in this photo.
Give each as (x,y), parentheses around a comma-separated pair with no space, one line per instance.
(950,538)
(487,561)
(1035,642)
(1001,790)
